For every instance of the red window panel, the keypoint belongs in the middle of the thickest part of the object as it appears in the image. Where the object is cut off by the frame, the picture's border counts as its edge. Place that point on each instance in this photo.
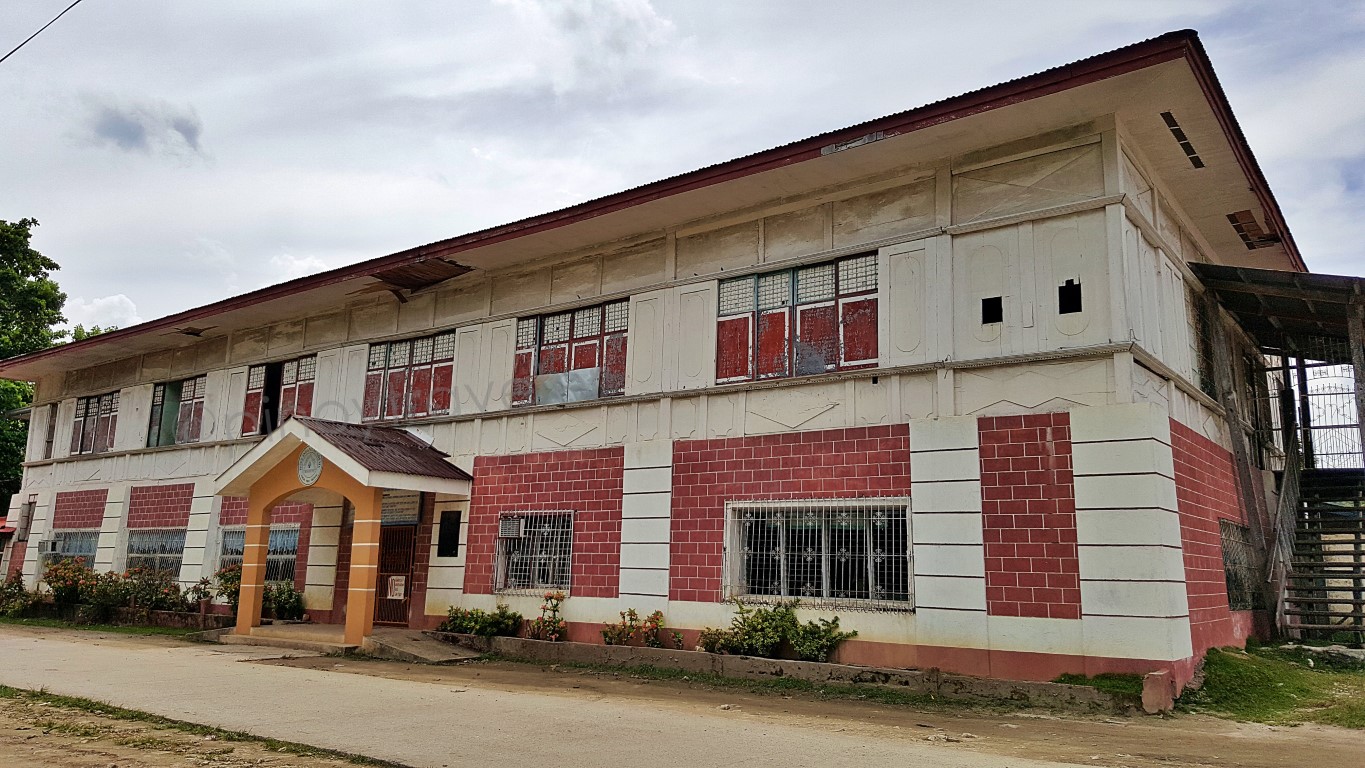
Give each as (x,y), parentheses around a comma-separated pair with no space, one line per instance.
(255,398)
(442,381)
(774,343)
(553,359)
(102,428)
(78,423)
(303,397)
(92,410)
(523,375)
(614,365)
(817,338)
(372,406)
(859,325)
(395,392)
(734,348)
(585,354)
(196,420)
(184,419)
(419,391)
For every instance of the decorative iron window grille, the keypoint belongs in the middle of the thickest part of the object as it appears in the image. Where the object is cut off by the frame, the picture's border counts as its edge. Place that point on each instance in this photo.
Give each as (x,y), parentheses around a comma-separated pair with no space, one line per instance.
(852,554)
(796,322)
(571,356)
(74,544)
(535,552)
(281,556)
(156,549)
(94,425)
(1239,567)
(410,378)
(177,412)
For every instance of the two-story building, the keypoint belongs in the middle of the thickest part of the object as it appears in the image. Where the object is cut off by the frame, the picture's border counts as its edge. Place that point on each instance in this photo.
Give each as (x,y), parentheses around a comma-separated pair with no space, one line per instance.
(945,374)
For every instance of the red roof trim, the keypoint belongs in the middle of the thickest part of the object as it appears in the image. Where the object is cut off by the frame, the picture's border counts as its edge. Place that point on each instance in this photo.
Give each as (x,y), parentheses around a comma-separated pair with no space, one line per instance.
(1172,45)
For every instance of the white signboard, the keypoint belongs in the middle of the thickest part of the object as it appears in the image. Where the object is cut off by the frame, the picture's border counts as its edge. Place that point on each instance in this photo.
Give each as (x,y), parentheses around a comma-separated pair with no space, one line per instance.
(401,508)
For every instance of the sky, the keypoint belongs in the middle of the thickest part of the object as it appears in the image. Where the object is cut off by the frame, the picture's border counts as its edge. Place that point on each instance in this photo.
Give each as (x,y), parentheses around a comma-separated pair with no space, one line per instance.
(177,153)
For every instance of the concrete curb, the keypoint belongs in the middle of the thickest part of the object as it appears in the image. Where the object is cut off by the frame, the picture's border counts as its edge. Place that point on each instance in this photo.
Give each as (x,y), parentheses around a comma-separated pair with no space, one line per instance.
(930,683)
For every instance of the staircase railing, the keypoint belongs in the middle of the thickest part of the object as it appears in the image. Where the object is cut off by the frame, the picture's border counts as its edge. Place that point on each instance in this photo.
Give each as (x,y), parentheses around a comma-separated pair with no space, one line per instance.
(1285,526)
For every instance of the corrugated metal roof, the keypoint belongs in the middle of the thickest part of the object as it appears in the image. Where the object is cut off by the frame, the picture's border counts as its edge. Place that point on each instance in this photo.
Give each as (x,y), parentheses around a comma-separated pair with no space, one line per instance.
(385,449)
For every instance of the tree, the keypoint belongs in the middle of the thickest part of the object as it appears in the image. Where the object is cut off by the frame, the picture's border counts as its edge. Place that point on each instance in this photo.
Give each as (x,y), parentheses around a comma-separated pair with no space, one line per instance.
(30,305)
(81,333)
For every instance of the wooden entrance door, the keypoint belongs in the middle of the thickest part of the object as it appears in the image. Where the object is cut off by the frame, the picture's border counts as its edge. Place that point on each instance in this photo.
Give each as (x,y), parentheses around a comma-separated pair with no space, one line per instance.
(393,590)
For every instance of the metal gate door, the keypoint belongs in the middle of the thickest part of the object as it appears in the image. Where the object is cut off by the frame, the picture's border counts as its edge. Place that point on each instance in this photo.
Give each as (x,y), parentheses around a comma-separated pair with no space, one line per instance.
(391,599)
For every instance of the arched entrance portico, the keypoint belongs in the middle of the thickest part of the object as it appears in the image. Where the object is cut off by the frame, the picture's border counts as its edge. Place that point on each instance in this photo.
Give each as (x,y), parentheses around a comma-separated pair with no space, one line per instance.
(305,458)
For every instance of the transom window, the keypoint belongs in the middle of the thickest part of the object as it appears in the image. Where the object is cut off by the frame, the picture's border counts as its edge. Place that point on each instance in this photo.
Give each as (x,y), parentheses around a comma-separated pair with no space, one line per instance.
(96,420)
(276,391)
(796,322)
(177,412)
(851,554)
(571,356)
(281,555)
(410,378)
(535,551)
(156,549)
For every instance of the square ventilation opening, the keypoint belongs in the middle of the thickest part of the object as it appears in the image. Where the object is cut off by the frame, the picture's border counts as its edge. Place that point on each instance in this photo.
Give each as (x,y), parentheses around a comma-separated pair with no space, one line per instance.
(1069,298)
(992,310)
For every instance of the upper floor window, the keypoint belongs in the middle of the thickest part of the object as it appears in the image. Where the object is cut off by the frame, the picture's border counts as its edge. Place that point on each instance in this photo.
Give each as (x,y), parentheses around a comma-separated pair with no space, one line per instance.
(410,378)
(276,391)
(92,431)
(571,356)
(177,412)
(797,322)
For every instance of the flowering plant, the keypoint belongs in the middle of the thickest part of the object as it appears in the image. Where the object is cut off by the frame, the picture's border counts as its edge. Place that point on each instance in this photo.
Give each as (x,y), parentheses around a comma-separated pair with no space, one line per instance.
(549,625)
(68,579)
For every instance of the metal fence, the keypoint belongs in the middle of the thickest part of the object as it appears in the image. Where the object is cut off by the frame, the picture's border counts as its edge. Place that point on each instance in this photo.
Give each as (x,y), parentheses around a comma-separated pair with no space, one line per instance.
(1239,567)
(848,554)
(156,549)
(281,556)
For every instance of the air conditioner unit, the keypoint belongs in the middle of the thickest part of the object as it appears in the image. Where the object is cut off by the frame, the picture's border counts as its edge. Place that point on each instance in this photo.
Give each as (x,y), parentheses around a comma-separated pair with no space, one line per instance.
(49,547)
(511,527)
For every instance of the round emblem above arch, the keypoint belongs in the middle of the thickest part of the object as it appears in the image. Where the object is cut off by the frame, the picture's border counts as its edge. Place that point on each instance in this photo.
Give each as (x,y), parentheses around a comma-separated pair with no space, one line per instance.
(310,466)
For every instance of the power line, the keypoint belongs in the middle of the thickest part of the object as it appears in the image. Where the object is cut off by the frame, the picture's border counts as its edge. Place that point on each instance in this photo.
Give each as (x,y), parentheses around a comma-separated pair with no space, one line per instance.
(35,34)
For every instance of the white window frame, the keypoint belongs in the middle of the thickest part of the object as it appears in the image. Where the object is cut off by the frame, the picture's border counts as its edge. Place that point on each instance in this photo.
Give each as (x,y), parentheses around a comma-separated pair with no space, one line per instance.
(128,553)
(271,557)
(501,561)
(733,552)
(60,534)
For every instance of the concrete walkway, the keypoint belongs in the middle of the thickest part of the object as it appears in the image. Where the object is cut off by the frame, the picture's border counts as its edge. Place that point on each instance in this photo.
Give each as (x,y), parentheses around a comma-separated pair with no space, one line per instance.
(424,724)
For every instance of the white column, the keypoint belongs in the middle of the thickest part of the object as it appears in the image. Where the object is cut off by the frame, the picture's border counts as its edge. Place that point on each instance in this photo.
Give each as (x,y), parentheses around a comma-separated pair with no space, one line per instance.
(200,558)
(1133,598)
(949,556)
(645,521)
(109,553)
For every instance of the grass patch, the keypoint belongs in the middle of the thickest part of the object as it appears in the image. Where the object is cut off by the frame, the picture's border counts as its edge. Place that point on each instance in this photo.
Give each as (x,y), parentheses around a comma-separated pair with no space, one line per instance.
(1109,682)
(782,686)
(132,715)
(114,628)
(1267,685)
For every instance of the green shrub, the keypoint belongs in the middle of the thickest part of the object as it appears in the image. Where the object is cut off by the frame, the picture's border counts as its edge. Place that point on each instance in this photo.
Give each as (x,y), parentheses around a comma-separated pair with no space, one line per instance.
(104,593)
(228,585)
(153,590)
(648,631)
(282,601)
(774,632)
(476,621)
(15,599)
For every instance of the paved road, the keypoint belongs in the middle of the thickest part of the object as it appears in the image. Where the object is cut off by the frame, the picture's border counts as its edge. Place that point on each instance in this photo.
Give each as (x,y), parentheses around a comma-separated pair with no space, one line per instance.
(426,724)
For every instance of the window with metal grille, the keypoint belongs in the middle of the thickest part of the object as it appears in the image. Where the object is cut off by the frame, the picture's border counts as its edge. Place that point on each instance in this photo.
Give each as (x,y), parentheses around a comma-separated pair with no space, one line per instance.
(276,391)
(177,412)
(535,552)
(1239,568)
(95,422)
(840,553)
(74,544)
(796,322)
(156,549)
(281,554)
(571,356)
(411,378)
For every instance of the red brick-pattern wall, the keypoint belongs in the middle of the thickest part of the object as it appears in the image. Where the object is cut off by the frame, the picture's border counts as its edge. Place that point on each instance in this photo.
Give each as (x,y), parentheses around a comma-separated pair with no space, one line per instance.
(863,462)
(160,506)
(587,481)
(1206,491)
(1028,516)
(79,509)
(17,554)
(233,512)
(421,560)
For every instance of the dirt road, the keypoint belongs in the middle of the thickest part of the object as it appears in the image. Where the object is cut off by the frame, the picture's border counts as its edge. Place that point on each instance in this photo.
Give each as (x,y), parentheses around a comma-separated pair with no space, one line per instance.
(512,714)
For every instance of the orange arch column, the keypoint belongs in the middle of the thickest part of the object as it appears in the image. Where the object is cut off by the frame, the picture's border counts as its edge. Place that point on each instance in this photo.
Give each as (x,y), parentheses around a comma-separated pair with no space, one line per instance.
(249,599)
(364,565)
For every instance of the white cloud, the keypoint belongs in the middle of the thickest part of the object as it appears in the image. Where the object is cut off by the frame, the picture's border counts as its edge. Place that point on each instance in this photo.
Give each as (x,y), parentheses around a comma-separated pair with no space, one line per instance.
(116,310)
(284,267)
